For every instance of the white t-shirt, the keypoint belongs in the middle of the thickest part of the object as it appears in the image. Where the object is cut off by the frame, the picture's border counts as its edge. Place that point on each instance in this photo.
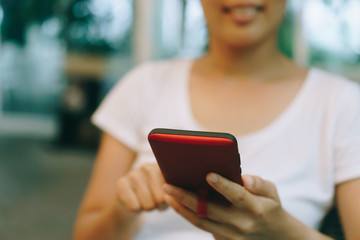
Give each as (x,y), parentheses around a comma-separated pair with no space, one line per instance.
(312,146)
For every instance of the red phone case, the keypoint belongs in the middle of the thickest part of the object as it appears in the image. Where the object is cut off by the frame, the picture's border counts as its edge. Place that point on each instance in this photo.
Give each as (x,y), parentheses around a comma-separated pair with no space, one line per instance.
(186,157)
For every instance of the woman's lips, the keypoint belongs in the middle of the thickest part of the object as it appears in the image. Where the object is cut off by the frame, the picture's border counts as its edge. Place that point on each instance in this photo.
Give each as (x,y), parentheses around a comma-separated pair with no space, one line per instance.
(243,14)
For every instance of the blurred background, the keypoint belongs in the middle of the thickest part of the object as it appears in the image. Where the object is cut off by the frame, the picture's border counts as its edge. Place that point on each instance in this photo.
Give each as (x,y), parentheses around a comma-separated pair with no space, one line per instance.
(58,58)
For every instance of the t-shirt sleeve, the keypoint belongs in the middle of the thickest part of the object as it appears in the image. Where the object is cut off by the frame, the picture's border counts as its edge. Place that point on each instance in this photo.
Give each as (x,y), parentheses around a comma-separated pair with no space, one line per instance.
(120,113)
(347,135)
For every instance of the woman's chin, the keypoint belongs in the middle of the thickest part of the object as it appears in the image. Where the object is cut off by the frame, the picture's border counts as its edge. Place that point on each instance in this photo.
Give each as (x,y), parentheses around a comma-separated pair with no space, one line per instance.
(242,43)
(247,39)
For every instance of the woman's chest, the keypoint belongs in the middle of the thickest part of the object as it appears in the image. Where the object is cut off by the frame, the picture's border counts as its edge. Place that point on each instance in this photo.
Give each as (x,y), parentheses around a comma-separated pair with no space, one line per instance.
(238,108)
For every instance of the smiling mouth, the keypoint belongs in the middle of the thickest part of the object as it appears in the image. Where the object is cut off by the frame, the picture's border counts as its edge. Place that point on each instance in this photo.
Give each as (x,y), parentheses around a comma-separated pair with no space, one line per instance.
(246,10)
(243,15)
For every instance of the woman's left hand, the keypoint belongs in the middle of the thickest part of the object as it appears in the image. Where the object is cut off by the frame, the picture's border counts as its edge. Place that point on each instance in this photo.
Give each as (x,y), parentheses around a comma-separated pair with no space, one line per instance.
(255,213)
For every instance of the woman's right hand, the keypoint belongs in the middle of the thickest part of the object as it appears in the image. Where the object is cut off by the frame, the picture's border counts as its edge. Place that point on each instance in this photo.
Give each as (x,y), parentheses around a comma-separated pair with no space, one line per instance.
(141,189)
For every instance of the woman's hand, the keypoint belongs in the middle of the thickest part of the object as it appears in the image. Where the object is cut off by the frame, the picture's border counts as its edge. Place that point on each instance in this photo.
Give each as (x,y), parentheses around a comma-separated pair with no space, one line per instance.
(255,213)
(141,189)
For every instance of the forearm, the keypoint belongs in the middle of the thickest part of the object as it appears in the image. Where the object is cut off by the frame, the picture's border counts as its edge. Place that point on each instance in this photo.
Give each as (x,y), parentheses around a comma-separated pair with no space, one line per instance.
(108,224)
(291,229)
(298,230)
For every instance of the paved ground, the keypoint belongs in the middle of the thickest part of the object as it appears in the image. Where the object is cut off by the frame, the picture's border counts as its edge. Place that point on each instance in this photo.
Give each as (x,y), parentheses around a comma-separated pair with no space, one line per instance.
(40,189)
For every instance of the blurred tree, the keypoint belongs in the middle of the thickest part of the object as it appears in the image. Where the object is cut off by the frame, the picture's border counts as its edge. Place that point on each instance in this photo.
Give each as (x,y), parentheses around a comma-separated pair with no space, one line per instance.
(14,21)
(286,35)
(86,24)
(18,14)
(98,27)
(82,27)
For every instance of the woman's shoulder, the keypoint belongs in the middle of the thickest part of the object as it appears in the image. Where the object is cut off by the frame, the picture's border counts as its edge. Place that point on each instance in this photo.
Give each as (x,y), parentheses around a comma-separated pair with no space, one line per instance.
(149,78)
(332,87)
(329,80)
(161,67)
(339,95)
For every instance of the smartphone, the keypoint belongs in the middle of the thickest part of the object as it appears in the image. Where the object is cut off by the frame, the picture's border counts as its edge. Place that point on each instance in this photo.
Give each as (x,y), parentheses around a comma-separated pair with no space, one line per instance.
(186,157)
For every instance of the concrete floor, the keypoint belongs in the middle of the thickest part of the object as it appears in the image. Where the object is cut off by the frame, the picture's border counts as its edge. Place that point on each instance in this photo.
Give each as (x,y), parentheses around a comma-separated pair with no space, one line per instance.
(40,188)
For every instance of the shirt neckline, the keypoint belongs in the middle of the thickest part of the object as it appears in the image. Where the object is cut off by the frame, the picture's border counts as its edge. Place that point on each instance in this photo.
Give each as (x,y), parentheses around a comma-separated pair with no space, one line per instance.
(268,131)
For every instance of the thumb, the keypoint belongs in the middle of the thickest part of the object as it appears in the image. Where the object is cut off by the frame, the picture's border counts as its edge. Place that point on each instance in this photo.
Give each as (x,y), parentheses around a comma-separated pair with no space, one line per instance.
(218,237)
(260,187)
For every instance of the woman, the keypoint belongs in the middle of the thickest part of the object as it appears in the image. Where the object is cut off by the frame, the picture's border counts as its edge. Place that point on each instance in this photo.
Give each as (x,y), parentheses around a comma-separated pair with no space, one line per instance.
(297,128)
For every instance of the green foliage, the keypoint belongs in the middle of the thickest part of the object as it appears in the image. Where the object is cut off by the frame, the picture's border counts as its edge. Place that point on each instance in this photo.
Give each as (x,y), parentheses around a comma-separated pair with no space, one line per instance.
(80,27)
(286,35)
(77,20)
(18,14)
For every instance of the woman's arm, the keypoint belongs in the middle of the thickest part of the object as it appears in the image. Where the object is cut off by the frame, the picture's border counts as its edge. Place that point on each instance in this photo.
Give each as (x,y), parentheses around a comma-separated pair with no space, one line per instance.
(100,215)
(117,194)
(348,203)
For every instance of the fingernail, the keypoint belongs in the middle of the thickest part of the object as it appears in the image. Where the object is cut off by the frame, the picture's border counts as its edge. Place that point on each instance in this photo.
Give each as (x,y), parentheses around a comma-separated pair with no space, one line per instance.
(163,207)
(213,178)
(249,181)
(167,189)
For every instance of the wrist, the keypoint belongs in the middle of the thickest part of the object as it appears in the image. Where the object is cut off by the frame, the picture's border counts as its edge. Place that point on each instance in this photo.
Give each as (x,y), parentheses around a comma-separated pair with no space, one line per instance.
(123,223)
(120,214)
(297,230)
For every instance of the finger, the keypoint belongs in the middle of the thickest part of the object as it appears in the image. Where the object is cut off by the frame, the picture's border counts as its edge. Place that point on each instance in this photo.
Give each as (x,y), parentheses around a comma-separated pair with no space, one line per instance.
(155,182)
(232,191)
(260,187)
(184,197)
(141,188)
(226,231)
(127,196)
(215,212)
(217,237)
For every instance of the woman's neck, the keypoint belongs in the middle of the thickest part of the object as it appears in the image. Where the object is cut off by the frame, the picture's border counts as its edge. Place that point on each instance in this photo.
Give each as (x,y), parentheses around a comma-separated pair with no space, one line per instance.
(255,62)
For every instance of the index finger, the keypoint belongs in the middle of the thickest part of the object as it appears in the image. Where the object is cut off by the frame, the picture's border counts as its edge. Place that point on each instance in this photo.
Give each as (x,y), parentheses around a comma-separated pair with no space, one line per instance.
(232,191)
(155,181)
